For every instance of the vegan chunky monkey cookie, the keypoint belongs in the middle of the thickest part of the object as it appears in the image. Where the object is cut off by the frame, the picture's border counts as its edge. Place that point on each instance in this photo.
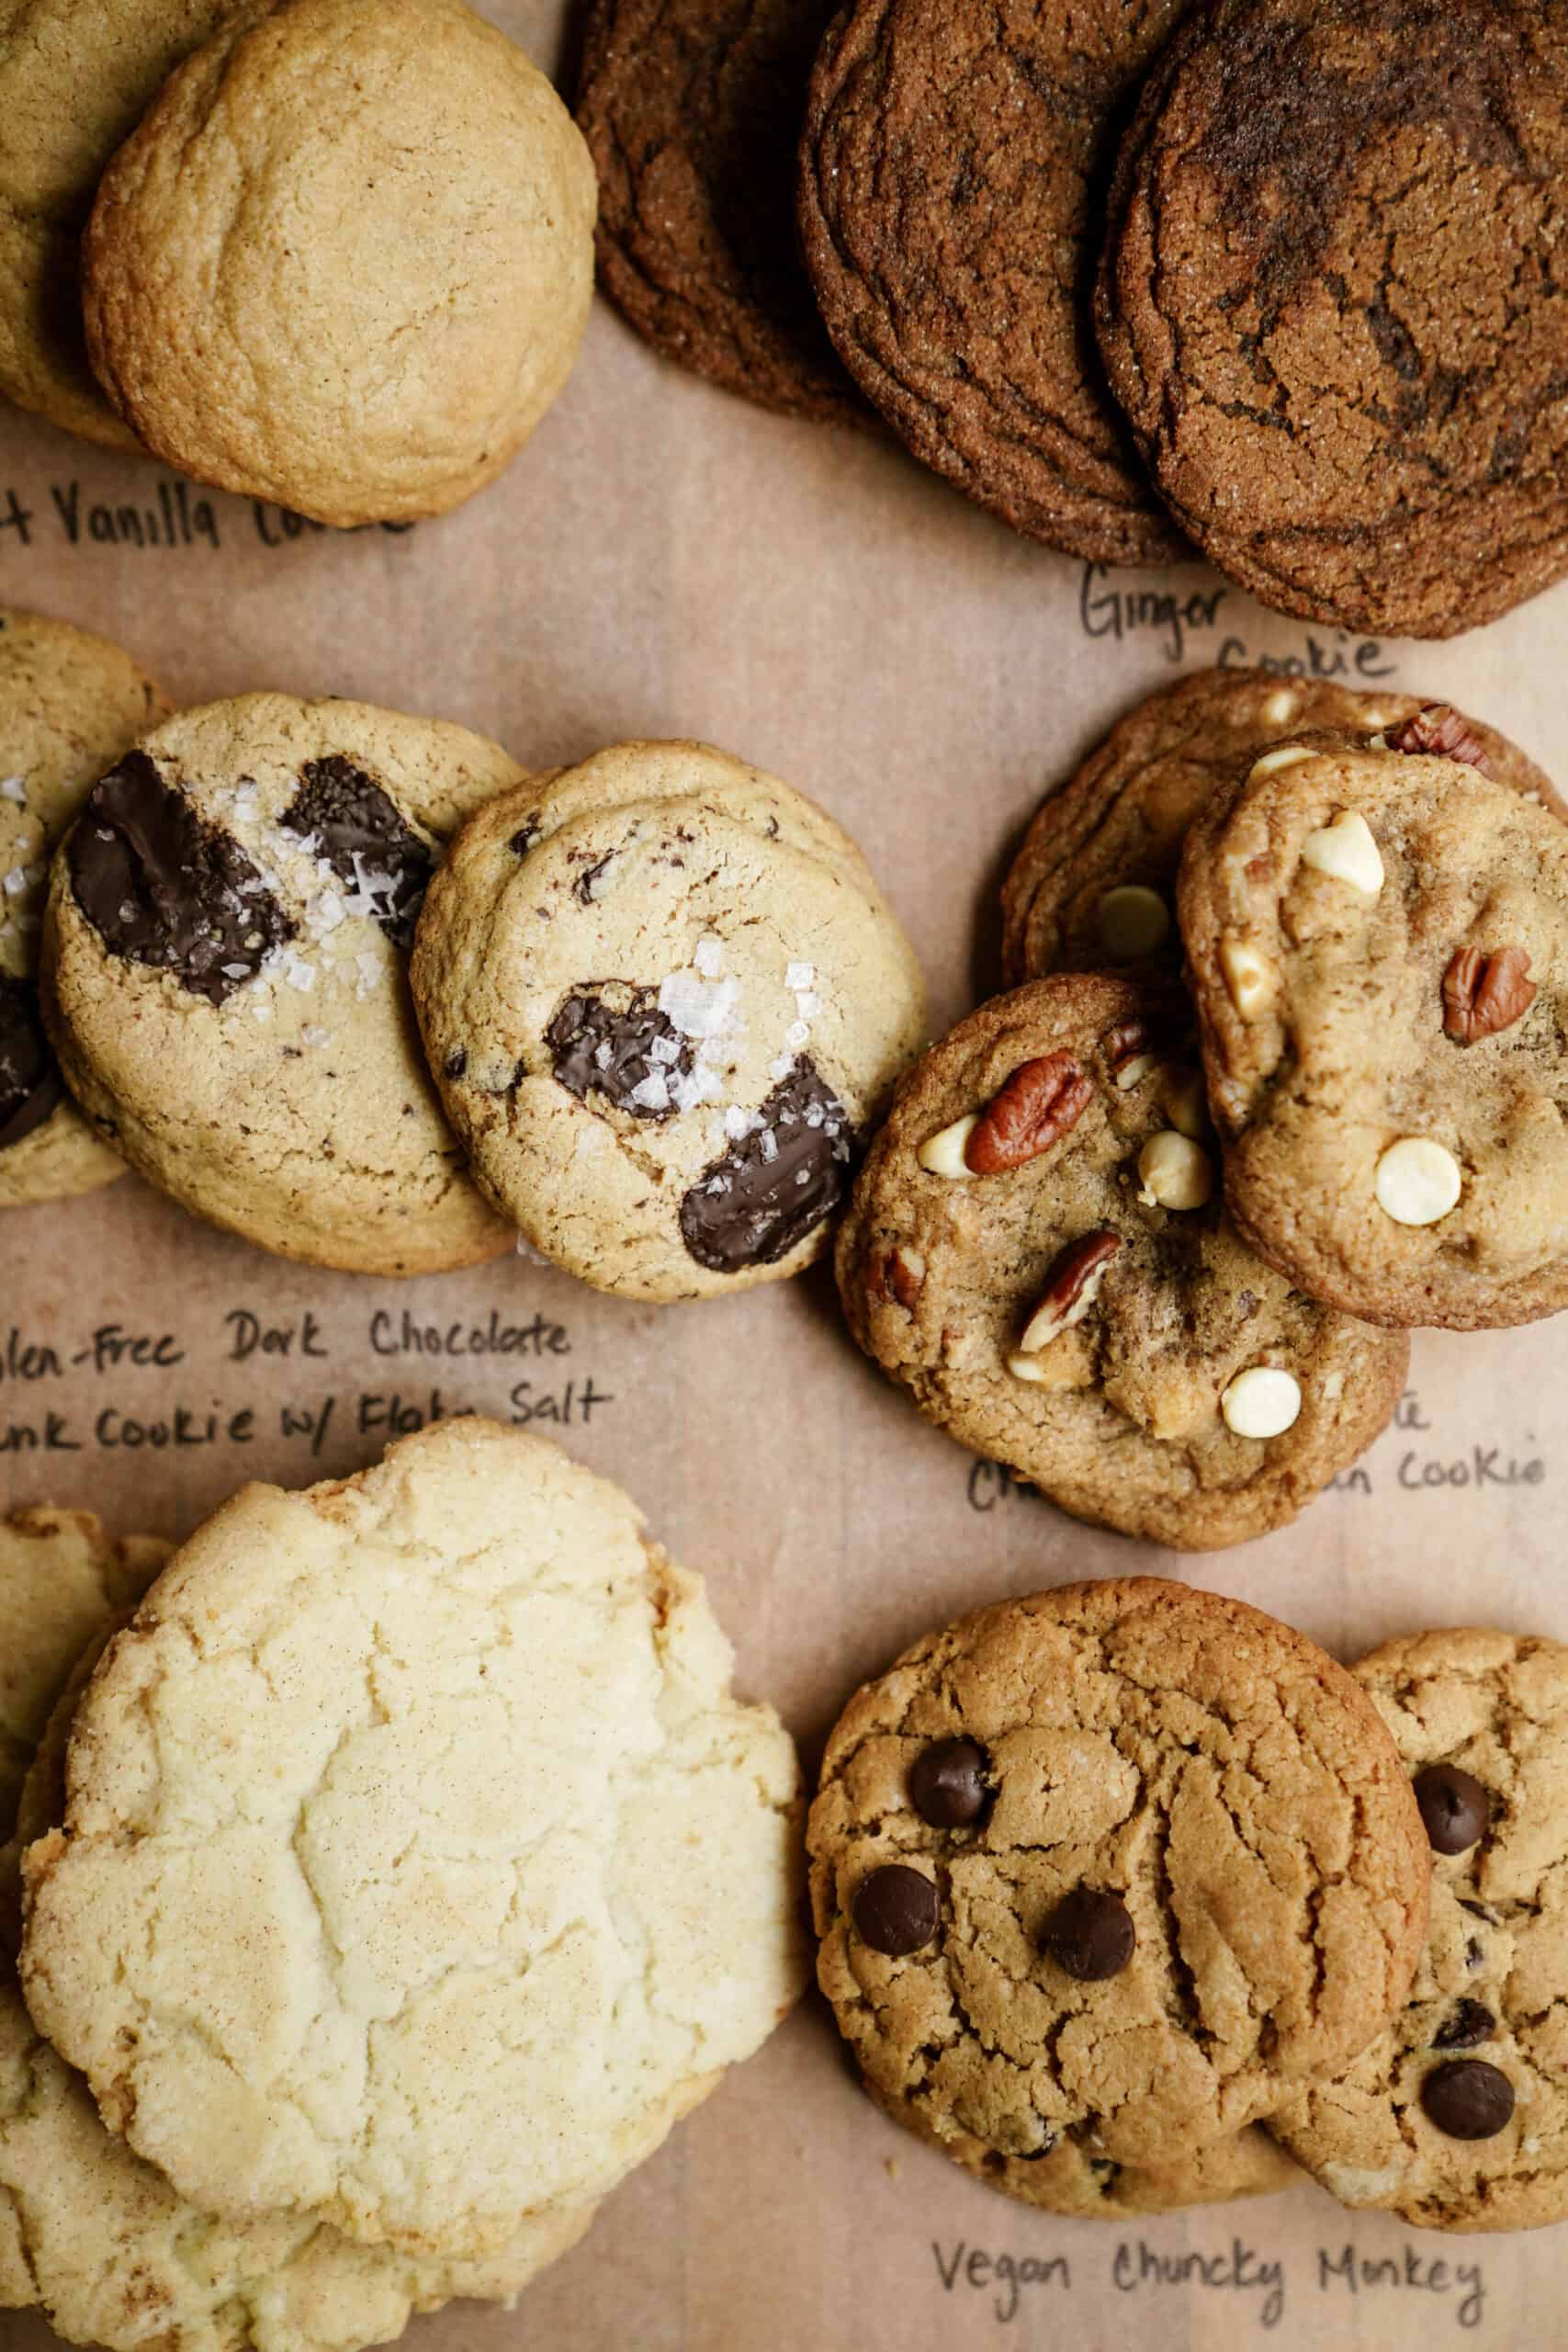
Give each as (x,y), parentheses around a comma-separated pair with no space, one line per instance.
(664,998)
(1108,1870)
(226,974)
(1378,944)
(1038,1252)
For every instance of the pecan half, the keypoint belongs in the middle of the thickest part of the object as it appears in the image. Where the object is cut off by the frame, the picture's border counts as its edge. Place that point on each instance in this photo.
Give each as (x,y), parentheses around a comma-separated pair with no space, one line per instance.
(1441,733)
(1071,1288)
(897,1274)
(1485,990)
(1035,1109)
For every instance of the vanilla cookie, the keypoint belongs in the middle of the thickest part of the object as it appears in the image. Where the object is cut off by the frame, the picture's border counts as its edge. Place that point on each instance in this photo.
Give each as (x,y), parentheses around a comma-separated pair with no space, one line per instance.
(664,998)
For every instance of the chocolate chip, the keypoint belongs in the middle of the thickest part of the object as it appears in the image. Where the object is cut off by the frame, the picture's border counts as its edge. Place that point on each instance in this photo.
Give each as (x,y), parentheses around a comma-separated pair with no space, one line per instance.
(1468,2099)
(897,1910)
(583,889)
(602,1042)
(947,1783)
(1091,1935)
(747,1209)
(523,840)
(29,1082)
(365,838)
(1472,2021)
(164,888)
(456,1062)
(1454,1806)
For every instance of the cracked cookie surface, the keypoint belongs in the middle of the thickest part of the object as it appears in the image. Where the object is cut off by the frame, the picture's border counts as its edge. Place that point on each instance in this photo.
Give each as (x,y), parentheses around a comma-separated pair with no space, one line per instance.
(1126,1412)
(419,1869)
(663,998)
(1378,948)
(1207,1772)
(1489,1989)
(1334,303)
(951,182)
(1118,823)
(225,975)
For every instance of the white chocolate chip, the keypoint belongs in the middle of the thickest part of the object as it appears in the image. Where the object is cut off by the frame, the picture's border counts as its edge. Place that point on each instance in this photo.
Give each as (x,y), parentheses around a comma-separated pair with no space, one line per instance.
(1418,1181)
(1132,1073)
(943,1155)
(1346,851)
(1134,921)
(1185,1101)
(1281,709)
(1248,977)
(1289,755)
(1175,1173)
(1263,1402)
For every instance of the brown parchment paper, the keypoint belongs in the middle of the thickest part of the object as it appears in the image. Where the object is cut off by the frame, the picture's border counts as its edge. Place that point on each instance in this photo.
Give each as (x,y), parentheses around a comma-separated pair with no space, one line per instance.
(663,559)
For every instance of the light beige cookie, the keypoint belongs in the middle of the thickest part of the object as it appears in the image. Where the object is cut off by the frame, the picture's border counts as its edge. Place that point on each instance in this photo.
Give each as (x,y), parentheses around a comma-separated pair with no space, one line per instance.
(419,1869)
(664,998)
(225,975)
(345,260)
(69,703)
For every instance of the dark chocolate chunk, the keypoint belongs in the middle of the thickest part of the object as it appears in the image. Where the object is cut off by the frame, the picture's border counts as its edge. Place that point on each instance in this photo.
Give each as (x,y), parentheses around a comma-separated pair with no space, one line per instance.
(365,838)
(947,1782)
(1454,1806)
(1091,1935)
(1468,2099)
(29,1082)
(1471,2021)
(164,888)
(761,1200)
(602,1042)
(523,840)
(897,1910)
(455,1063)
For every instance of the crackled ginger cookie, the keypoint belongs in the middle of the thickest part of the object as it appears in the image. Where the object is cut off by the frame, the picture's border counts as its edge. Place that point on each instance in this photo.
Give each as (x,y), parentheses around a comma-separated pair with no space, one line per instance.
(1109,1870)
(1377,947)
(69,703)
(225,975)
(1093,885)
(455,1723)
(1037,1251)
(345,260)
(89,2234)
(1456,2116)
(664,998)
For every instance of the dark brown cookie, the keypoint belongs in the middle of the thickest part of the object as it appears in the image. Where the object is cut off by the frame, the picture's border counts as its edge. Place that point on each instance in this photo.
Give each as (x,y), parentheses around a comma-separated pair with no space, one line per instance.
(1334,306)
(950,186)
(691,109)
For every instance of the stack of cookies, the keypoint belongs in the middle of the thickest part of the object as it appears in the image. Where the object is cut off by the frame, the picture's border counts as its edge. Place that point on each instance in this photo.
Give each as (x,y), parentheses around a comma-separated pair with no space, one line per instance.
(394,1878)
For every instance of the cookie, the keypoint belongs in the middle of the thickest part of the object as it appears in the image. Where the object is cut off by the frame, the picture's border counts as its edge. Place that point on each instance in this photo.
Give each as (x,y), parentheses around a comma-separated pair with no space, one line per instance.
(97,2240)
(1038,1253)
(225,953)
(692,113)
(345,259)
(75,78)
(1093,885)
(1331,303)
(419,1869)
(69,703)
(1112,1867)
(1377,947)
(1456,2116)
(664,998)
(951,164)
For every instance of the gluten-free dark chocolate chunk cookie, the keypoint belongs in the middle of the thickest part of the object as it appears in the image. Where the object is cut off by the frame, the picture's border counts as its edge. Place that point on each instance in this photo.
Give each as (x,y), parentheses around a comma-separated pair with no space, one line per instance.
(1456,2116)
(1199,1872)
(1093,885)
(1377,947)
(226,974)
(664,998)
(692,111)
(1333,303)
(952,171)
(1038,1252)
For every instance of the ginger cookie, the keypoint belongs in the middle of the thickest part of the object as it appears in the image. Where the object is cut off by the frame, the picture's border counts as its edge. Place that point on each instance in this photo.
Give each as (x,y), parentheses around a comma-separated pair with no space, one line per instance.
(1332,307)
(1038,1252)
(953,169)
(1111,1868)
(1093,885)
(692,112)
(1377,943)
